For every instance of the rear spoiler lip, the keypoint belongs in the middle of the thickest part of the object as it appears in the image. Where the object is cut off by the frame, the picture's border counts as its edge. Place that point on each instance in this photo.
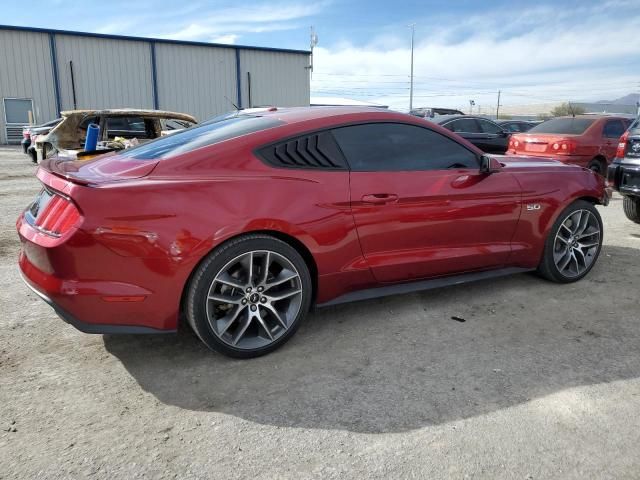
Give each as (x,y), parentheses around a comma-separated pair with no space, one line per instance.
(49,168)
(55,181)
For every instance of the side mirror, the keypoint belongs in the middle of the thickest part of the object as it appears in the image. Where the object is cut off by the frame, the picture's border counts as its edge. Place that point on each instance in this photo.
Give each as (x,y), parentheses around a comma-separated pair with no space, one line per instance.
(489,165)
(504,133)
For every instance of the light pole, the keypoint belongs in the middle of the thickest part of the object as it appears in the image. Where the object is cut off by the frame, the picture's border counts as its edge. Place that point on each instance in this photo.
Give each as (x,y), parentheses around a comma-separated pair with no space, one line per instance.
(413,31)
(471,104)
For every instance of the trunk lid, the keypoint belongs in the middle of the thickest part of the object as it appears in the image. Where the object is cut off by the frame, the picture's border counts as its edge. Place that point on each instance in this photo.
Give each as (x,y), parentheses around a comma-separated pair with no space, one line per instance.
(535,144)
(103,169)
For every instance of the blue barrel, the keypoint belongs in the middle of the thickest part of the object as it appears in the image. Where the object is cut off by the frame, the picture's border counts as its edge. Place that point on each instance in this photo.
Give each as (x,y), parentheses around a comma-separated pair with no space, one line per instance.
(91,142)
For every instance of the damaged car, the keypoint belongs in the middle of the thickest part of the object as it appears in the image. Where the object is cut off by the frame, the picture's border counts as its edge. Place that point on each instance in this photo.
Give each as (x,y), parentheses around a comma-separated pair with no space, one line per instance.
(118,128)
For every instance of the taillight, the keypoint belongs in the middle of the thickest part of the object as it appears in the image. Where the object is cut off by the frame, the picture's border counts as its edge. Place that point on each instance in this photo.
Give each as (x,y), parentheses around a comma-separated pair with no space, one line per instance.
(622,145)
(513,143)
(58,216)
(565,147)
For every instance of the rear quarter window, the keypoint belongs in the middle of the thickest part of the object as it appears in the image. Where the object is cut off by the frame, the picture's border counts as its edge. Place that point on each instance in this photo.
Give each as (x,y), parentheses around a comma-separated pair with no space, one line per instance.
(200,136)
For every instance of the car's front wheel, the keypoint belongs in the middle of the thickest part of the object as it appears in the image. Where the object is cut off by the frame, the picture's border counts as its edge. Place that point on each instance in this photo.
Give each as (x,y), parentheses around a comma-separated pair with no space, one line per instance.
(248,297)
(631,206)
(573,244)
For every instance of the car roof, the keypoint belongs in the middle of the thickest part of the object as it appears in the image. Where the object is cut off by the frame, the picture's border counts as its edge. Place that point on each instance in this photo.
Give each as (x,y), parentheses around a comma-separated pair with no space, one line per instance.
(446,118)
(301,114)
(131,112)
(588,116)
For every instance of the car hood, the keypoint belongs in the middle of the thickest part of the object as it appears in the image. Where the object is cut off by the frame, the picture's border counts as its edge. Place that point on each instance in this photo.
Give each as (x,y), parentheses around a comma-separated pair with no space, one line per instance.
(106,168)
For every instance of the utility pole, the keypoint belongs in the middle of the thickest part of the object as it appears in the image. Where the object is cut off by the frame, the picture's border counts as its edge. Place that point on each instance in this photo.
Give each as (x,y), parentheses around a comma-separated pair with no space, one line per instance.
(413,31)
(313,42)
(498,107)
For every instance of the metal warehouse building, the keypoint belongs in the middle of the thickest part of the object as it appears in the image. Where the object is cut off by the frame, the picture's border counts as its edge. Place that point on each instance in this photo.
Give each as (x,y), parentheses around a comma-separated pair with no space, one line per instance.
(43,72)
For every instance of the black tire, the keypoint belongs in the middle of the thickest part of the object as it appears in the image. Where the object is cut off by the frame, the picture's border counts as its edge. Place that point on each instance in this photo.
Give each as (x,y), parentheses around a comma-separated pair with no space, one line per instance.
(196,302)
(547,267)
(631,206)
(598,166)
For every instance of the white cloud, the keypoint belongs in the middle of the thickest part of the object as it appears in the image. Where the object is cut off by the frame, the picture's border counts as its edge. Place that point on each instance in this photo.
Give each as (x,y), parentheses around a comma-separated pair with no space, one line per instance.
(234,21)
(229,39)
(541,54)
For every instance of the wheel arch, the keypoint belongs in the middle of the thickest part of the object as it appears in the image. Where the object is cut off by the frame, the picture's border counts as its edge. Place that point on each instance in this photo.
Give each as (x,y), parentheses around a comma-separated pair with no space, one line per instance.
(603,162)
(292,241)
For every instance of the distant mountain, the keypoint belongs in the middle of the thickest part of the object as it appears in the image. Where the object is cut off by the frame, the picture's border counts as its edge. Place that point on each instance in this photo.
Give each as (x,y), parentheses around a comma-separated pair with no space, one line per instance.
(630,99)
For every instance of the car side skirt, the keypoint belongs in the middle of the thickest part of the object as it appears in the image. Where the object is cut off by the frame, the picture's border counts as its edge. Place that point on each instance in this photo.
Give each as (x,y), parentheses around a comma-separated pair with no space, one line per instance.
(420,285)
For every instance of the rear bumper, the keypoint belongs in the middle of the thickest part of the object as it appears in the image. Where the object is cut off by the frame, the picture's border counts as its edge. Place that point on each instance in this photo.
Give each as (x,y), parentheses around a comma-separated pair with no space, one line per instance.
(83,304)
(92,327)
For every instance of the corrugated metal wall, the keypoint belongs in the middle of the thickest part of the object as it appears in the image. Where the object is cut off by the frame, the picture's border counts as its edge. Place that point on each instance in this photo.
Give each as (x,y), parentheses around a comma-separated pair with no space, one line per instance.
(107,73)
(118,72)
(277,78)
(196,79)
(26,72)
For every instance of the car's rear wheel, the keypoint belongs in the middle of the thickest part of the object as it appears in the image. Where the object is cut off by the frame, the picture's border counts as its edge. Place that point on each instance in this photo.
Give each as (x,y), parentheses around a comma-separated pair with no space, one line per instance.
(248,297)
(598,166)
(573,244)
(631,206)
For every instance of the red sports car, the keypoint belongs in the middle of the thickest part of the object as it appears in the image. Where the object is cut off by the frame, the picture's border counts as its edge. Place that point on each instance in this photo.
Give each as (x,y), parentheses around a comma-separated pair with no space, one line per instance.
(242,225)
(586,140)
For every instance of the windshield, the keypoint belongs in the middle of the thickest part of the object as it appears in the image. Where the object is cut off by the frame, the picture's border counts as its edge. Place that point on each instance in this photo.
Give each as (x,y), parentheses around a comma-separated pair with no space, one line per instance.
(200,136)
(564,126)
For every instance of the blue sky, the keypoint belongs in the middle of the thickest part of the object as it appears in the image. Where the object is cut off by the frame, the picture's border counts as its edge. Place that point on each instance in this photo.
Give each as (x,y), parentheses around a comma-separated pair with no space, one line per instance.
(535,52)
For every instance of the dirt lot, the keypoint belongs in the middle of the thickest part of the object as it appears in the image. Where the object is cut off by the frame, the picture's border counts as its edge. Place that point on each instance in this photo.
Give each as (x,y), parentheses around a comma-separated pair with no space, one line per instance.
(540,381)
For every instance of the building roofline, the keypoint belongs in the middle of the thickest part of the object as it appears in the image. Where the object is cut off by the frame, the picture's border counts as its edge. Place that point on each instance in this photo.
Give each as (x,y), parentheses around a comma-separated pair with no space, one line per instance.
(149,39)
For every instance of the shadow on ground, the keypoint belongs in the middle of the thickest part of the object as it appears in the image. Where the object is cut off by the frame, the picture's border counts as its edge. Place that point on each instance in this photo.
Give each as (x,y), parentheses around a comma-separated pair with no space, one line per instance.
(402,363)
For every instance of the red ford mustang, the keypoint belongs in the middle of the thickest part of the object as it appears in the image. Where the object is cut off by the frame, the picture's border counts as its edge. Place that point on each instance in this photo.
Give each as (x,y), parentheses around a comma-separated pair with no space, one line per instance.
(242,225)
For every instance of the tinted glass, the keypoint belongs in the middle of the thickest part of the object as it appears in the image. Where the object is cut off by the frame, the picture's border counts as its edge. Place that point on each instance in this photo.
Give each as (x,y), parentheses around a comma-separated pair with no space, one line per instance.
(564,126)
(400,147)
(511,127)
(128,124)
(200,136)
(489,127)
(613,129)
(464,125)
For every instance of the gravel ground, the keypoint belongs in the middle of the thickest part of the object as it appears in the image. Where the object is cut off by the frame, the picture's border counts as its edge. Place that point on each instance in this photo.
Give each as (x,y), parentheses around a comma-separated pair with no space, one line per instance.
(540,381)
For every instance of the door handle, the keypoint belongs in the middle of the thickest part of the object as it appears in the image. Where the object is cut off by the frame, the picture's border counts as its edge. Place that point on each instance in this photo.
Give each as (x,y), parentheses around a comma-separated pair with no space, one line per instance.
(380,198)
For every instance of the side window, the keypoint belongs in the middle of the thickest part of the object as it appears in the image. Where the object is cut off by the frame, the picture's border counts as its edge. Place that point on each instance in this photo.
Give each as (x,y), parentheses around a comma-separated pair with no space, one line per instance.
(613,129)
(129,127)
(511,127)
(464,125)
(400,147)
(489,127)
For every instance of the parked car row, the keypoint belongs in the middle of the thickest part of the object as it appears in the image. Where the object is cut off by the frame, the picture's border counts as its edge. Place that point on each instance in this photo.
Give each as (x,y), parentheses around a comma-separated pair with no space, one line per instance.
(30,133)
(624,172)
(240,225)
(66,136)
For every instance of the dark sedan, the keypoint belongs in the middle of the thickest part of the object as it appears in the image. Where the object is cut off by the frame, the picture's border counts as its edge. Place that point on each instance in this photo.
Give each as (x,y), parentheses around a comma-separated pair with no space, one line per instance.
(488,136)
(516,126)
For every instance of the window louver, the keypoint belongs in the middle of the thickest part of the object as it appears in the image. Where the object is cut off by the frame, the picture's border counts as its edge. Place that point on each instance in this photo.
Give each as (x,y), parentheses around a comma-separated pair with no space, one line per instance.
(317,151)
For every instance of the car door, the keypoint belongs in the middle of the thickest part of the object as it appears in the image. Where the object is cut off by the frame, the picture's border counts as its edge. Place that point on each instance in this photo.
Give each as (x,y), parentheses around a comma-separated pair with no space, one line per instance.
(495,139)
(421,206)
(468,129)
(611,133)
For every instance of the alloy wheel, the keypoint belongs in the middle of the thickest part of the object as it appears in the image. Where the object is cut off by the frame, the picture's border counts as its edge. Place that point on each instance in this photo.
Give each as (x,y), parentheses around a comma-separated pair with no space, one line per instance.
(254,299)
(576,243)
